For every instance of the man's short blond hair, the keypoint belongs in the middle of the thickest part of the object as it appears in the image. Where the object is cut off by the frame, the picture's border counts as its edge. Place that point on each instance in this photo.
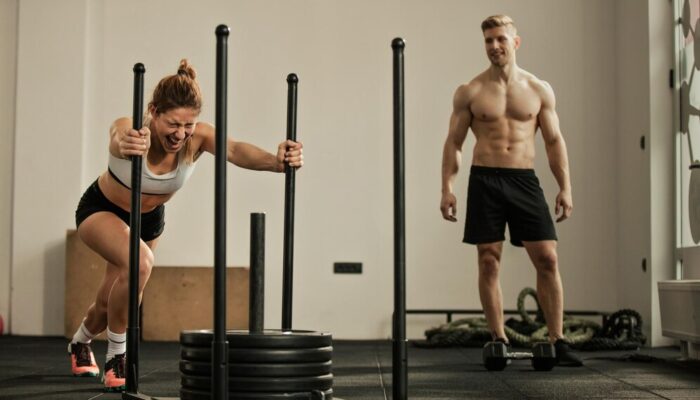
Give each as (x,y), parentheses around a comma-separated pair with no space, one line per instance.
(495,21)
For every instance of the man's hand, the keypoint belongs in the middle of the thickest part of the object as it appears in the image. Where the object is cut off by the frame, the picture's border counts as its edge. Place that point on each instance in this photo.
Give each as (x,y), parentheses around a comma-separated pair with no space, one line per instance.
(448,207)
(289,152)
(564,205)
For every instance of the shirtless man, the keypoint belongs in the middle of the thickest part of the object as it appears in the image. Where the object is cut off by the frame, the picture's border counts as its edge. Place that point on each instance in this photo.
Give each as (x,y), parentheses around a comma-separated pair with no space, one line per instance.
(504,106)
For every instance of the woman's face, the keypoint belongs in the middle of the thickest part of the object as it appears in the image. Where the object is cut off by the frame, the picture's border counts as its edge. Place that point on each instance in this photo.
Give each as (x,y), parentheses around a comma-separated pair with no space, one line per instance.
(174,127)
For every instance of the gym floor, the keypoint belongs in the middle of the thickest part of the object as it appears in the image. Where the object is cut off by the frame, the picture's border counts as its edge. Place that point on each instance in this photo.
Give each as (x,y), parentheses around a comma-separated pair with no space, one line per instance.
(38,368)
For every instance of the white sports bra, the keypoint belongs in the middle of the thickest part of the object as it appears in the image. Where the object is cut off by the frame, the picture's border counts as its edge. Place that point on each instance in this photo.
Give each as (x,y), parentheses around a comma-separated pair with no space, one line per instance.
(170,182)
(167,183)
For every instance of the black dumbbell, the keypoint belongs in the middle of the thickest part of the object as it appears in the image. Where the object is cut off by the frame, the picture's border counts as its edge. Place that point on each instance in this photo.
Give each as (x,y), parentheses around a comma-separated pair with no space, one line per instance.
(544,356)
(496,356)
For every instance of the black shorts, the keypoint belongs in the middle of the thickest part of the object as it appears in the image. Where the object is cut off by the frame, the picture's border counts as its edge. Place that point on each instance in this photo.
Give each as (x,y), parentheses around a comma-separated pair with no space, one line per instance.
(93,200)
(497,196)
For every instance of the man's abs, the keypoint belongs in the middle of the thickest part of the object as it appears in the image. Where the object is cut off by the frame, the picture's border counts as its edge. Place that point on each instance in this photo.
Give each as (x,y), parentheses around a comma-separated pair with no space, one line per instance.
(504,147)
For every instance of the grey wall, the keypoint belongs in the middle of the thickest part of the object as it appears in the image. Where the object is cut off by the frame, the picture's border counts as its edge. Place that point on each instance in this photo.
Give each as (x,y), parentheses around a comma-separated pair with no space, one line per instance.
(340,50)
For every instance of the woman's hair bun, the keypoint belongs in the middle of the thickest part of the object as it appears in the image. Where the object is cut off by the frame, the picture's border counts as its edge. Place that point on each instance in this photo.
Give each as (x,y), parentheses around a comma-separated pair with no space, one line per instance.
(186,69)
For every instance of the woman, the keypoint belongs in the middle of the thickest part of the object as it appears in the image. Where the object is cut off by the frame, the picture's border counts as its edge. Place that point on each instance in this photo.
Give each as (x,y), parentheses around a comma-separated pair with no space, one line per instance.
(170,142)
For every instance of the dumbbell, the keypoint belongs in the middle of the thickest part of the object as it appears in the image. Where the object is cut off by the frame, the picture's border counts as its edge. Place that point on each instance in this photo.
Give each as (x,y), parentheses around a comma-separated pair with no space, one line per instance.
(496,356)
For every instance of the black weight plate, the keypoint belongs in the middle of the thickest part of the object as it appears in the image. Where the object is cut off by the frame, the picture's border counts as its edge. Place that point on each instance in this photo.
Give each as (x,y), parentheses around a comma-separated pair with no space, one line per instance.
(193,394)
(266,339)
(203,368)
(249,384)
(258,356)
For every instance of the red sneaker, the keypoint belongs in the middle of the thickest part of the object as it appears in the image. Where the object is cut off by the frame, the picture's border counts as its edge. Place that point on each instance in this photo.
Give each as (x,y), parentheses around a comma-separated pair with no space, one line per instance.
(114,376)
(82,360)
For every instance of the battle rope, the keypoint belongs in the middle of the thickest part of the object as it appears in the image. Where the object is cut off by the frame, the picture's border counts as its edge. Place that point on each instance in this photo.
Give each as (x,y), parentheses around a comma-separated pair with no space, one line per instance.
(621,331)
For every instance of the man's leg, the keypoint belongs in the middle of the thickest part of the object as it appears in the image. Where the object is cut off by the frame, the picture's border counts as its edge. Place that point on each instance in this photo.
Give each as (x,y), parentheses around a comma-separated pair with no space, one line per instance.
(550,295)
(549,289)
(490,287)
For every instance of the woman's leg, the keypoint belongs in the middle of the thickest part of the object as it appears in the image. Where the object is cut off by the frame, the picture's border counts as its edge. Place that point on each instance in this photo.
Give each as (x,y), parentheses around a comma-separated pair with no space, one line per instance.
(108,235)
(96,319)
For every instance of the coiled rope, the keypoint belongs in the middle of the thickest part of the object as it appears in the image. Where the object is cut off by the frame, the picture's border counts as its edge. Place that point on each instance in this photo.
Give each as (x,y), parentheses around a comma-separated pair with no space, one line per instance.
(621,331)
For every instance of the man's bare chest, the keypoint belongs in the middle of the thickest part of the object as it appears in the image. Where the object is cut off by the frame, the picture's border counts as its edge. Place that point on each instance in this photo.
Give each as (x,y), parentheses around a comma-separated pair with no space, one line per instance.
(513,104)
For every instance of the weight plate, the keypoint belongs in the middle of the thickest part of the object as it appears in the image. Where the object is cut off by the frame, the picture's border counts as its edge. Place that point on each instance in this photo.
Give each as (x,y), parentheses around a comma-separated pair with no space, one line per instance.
(193,394)
(268,338)
(258,356)
(202,368)
(254,384)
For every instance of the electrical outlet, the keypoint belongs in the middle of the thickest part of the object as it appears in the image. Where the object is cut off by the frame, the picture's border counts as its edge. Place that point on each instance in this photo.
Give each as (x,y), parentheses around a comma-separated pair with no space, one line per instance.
(347,268)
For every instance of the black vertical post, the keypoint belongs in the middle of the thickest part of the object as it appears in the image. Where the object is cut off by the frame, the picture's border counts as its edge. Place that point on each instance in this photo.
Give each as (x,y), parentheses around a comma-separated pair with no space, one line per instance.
(256,314)
(219,346)
(288,261)
(132,331)
(399,359)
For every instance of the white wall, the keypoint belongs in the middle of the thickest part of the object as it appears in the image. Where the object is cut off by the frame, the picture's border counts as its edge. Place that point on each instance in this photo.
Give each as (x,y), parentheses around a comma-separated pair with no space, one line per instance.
(645,187)
(633,198)
(341,52)
(48,153)
(8,49)
(662,161)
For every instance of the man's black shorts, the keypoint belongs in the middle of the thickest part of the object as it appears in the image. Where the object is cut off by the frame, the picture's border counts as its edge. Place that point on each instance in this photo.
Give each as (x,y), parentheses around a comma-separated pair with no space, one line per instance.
(498,196)
(93,201)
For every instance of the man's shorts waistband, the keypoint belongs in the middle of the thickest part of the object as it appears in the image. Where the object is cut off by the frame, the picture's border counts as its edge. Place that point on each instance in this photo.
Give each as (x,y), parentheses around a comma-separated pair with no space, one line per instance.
(480,170)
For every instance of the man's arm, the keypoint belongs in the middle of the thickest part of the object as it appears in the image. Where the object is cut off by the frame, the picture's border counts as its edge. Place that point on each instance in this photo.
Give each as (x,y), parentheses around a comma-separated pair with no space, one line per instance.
(556,151)
(460,120)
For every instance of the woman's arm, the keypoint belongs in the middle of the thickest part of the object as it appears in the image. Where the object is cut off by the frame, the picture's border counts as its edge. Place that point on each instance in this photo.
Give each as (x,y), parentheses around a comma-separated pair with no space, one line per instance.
(249,156)
(125,141)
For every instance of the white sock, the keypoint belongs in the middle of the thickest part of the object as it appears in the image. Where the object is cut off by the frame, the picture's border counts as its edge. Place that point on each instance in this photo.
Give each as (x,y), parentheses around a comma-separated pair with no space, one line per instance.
(82,335)
(116,344)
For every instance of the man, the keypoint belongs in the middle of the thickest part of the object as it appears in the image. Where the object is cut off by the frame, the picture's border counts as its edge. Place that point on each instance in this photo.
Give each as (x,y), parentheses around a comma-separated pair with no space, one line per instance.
(504,106)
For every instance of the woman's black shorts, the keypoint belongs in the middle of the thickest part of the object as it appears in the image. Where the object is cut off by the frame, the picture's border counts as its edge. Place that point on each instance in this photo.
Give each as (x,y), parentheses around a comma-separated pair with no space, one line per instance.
(93,200)
(497,196)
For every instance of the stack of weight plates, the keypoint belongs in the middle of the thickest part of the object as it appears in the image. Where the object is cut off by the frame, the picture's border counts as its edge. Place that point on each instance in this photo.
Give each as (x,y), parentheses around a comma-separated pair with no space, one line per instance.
(268,365)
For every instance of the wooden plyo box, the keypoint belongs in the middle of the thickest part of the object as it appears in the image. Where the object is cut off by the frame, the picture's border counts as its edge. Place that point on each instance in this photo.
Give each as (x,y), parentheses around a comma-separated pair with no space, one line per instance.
(84,272)
(175,299)
(180,298)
